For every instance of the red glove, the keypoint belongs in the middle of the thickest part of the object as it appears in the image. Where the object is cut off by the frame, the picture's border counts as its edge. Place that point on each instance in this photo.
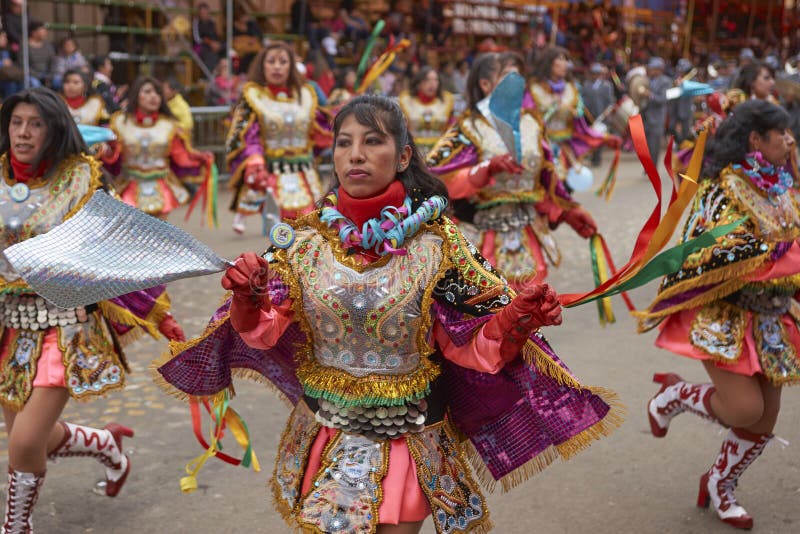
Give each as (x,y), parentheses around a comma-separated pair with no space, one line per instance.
(256,177)
(537,305)
(613,141)
(248,280)
(480,175)
(171,329)
(580,221)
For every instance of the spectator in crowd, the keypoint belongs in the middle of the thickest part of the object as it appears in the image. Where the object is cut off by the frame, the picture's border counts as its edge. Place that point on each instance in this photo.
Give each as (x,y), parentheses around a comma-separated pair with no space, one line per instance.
(356,29)
(225,89)
(598,94)
(681,109)
(206,39)
(654,105)
(247,39)
(41,54)
(173,94)
(103,86)
(12,25)
(460,77)
(11,75)
(303,22)
(69,58)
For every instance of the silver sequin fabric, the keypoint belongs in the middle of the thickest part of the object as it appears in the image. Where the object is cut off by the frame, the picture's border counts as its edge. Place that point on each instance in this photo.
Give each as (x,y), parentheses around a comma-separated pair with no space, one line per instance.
(108,249)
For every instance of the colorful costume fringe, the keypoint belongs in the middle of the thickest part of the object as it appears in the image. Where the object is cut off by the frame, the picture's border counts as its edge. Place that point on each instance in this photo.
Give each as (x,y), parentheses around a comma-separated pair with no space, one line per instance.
(78,349)
(507,425)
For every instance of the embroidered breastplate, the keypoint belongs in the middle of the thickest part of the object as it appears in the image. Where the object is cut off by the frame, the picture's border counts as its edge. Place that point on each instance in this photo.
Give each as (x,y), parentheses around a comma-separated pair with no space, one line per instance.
(45,208)
(366,323)
(89,113)
(146,148)
(506,186)
(775,218)
(427,122)
(285,123)
(557,110)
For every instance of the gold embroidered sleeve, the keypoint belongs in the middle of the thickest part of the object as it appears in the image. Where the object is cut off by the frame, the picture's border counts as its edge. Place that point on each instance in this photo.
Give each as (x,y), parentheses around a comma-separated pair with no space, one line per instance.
(717,271)
(471,285)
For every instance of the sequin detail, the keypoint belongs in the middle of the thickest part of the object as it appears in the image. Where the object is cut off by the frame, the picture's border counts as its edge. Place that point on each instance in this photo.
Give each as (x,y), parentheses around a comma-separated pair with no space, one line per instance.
(718,330)
(777,354)
(365,324)
(445,478)
(292,456)
(346,493)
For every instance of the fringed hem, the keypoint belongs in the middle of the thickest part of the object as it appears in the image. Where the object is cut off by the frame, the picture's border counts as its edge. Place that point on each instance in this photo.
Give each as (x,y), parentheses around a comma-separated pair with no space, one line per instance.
(612,420)
(130,336)
(534,355)
(17,407)
(286,513)
(258,378)
(337,386)
(118,314)
(532,467)
(730,278)
(174,392)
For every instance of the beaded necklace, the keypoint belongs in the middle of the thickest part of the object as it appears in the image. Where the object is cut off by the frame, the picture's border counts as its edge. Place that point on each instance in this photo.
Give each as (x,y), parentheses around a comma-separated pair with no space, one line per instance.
(773,180)
(384,235)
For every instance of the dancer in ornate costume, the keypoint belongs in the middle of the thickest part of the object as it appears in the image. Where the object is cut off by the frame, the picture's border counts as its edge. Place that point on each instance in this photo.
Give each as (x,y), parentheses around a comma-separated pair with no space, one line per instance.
(756,81)
(90,110)
(387,331)
(152,157)
(507,209)
(732,305)
(557,102)
(47,354)
(429,109)
(276,126)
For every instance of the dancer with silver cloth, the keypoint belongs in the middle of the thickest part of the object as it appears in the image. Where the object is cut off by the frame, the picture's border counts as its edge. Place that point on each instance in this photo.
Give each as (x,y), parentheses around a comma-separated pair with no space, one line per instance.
(49,355)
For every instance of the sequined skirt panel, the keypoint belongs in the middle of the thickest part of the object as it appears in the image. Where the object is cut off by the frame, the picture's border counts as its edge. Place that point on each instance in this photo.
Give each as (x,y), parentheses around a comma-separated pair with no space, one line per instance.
(737,340)
(520,248)
(297,193)
(90,360)
(352,483)
(155,197)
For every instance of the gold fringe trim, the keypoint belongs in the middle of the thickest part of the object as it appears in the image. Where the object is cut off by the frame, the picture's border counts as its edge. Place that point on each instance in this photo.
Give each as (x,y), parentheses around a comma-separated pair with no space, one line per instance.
(130,336)
(120,315)
(731,275)
(175,348)
(339,386)
(534,355)
(612,420)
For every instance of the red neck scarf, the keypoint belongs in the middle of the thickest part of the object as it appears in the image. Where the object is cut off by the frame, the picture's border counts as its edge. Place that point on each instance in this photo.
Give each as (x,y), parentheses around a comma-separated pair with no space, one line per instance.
(24,172)
(360,210)
(141,117)
(425,99)
(75,102)
(277,89)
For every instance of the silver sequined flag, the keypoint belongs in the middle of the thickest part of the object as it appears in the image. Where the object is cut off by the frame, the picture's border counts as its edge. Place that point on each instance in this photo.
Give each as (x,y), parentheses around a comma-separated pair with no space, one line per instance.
(107,249)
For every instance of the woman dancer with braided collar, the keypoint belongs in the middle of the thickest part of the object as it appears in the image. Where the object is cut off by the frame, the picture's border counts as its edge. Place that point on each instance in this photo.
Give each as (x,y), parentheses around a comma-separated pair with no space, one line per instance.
(47,354)
(732,306)
(387,331)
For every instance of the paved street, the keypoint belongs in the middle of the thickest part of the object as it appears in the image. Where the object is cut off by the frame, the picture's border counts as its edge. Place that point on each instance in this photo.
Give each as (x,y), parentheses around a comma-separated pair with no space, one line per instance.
(628,483)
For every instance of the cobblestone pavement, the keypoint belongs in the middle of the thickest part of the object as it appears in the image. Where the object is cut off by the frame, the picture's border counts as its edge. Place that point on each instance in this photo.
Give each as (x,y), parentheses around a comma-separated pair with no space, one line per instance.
(629,482)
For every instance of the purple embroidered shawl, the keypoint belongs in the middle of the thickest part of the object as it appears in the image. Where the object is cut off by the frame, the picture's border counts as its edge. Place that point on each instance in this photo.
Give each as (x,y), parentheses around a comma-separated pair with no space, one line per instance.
(510,417)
